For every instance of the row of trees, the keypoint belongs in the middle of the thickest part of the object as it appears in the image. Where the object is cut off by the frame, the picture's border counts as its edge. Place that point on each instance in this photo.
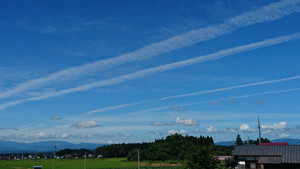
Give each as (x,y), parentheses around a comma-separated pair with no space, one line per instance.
(239,141)
(174,147)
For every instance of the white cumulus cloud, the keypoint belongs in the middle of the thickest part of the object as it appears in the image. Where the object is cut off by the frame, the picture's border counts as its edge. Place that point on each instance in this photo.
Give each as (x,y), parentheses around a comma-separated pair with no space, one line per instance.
(86,124)
(284,135)
(177,132)
(246,128)
(187,122)
(65,135)
(278,127)
(230,130)
(212,129)
(41,134)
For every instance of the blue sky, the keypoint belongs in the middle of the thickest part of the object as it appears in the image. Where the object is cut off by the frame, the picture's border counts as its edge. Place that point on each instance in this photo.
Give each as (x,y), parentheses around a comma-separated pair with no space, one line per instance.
(114,71)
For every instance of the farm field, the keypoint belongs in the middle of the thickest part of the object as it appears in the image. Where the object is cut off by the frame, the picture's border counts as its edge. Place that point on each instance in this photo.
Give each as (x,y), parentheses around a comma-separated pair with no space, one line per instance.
(94,163)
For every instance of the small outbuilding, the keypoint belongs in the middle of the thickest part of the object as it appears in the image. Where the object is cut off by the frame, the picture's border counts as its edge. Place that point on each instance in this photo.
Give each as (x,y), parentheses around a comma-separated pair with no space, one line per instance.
(267,156)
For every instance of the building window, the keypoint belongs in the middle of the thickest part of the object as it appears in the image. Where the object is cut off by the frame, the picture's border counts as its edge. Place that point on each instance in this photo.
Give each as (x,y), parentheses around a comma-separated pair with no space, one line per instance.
(253,165)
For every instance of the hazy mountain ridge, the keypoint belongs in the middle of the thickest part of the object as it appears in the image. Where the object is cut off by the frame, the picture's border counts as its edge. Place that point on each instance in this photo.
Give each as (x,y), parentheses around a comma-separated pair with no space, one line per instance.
(45,146)
(290,141)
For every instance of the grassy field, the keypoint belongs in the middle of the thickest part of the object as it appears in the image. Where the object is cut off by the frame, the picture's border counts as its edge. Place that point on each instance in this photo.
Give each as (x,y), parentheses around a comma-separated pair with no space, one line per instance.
(121,163)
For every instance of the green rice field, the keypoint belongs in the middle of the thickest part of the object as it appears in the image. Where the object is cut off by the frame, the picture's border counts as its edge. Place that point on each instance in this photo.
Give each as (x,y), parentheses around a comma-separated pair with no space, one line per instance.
(111,163)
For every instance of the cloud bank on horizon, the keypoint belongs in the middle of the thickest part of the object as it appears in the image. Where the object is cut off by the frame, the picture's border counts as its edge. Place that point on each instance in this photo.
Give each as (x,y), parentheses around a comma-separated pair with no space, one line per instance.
(153,89)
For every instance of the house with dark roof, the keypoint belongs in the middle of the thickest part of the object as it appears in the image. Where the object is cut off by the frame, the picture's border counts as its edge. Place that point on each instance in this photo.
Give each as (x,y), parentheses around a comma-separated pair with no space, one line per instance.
(267,156)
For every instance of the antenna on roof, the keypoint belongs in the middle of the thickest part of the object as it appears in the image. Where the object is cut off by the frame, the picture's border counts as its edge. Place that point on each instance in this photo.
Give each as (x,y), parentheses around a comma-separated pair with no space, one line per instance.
(259,131)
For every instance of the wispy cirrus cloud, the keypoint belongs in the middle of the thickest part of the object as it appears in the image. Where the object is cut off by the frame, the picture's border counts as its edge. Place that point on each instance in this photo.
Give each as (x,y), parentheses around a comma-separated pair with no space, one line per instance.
(271,12)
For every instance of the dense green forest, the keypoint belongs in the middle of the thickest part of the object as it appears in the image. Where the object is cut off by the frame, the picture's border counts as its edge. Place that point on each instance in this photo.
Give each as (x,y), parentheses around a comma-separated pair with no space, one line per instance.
(173,147)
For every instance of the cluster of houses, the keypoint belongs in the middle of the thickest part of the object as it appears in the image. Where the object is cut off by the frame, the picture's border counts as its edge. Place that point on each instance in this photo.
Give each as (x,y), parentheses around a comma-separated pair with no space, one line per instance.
(29,156)
(19,157)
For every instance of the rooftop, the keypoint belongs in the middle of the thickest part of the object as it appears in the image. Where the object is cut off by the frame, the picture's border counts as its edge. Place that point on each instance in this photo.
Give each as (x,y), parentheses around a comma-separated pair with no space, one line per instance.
(288,153)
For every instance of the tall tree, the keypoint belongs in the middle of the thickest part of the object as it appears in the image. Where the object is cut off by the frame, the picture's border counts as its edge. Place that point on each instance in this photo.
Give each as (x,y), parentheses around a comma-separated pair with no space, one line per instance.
(201,157)
(238,140)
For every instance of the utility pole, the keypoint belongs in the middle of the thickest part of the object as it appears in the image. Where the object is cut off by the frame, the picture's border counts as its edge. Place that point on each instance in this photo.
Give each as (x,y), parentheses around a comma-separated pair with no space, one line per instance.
(22,160)
(259,130)
(85,160)
(138,156)
(53,165)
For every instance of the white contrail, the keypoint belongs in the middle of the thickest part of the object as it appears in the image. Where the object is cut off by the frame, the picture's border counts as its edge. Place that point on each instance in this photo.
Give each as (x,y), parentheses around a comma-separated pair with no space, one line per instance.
(193,103)
(175,65)
(271,12)
(264,93)
(117,107)
(171,66)
(217,100)
(233,87)
(12,103)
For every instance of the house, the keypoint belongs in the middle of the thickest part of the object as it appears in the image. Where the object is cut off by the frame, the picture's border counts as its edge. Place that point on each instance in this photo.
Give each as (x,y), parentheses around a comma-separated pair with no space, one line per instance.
(222,158)
(267,156)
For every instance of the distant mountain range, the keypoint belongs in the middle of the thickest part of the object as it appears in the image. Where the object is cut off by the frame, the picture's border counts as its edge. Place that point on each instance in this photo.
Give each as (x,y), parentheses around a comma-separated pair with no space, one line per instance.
(287,140)
(47,146)
(290,141)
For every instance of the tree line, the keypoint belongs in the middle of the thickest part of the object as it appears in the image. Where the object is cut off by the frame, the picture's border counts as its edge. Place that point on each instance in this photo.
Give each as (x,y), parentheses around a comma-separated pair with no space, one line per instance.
(173,147)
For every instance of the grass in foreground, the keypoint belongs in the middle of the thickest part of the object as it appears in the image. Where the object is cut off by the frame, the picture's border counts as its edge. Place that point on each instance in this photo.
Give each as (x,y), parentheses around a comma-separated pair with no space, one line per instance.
(94,163)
